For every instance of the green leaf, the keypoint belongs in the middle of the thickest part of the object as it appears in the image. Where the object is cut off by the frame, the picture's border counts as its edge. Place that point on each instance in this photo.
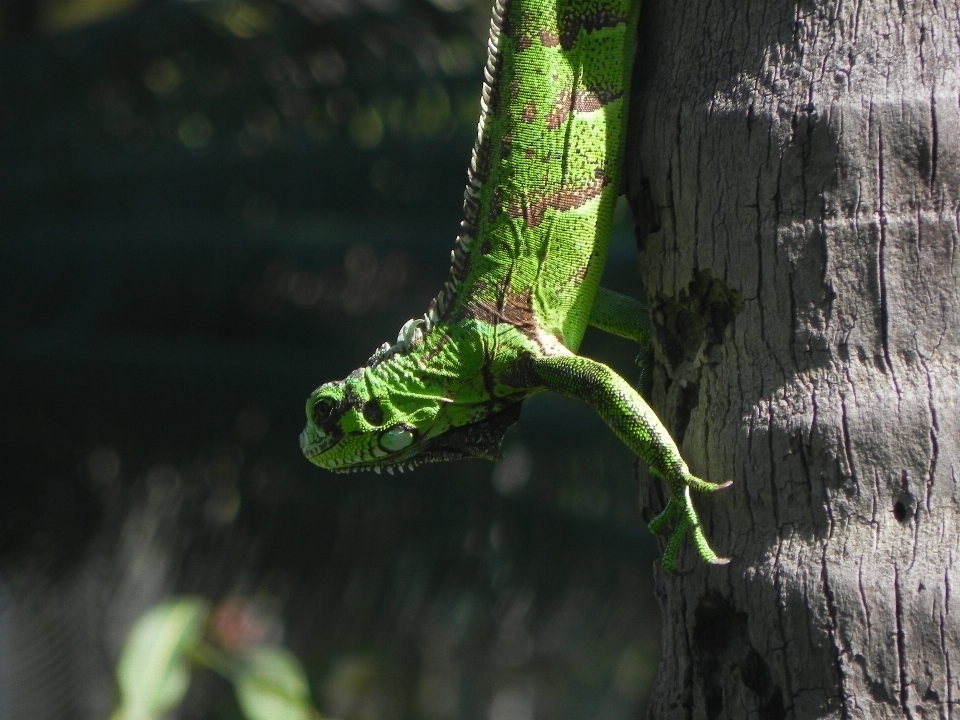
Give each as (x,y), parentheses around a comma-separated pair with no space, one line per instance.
(153,673)
(272,685)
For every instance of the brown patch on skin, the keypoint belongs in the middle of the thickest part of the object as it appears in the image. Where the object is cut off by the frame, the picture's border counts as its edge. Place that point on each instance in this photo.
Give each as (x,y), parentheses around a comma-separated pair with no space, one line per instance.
(506,143)
(586,101)
(583,100)
(561,108)
(529,112)
(529,153)
(533,207)
(579,274)
(555,119)
(514,309)
(517,309)
(549,39)
(514,88)
(523,42)
(588,22)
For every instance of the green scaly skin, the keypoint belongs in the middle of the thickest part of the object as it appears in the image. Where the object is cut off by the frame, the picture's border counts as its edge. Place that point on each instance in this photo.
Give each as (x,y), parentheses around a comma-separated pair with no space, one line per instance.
(525,275)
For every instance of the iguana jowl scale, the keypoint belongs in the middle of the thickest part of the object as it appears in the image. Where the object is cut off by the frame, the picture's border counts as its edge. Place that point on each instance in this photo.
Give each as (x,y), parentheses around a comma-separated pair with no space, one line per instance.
(525,275)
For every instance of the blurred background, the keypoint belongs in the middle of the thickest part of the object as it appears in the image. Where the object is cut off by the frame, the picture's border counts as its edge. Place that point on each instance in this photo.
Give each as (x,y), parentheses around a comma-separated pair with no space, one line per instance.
(207,209)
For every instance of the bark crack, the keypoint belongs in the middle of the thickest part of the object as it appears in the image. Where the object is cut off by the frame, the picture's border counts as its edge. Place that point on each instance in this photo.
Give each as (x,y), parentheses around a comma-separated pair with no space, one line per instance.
(881,262)
(901,645)
(835,648)
(863,601)
(934,430)
(847,445)
(934,139)
(946,652)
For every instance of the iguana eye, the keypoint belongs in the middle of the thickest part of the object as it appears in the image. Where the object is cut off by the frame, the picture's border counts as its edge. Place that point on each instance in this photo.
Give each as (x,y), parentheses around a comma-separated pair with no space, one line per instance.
(372,412)
(397,438)
(323,412)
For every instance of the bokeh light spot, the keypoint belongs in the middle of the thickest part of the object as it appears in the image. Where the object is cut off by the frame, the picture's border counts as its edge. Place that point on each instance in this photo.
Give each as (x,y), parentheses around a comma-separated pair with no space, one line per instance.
(162,77)
(366,128)
(195,131)
(245,20)
(327,67)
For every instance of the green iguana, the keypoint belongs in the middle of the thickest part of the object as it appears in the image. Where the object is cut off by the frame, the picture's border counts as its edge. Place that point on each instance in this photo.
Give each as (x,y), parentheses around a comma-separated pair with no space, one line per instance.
(525,275)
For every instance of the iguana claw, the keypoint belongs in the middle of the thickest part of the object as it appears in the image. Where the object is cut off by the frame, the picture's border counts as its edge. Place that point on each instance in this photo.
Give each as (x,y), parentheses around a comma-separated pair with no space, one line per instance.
(681,504)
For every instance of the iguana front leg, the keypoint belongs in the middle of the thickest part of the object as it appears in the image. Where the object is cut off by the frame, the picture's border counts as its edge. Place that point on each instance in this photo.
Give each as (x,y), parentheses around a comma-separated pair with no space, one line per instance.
(622,408)
(625,317)
(620,315)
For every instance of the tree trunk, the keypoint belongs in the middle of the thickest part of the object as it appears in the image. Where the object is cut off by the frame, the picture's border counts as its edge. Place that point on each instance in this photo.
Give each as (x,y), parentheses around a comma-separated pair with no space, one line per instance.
(795,174)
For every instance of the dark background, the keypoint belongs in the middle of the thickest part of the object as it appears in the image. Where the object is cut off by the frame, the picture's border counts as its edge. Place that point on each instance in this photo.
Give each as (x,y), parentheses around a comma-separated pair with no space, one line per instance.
(206,210)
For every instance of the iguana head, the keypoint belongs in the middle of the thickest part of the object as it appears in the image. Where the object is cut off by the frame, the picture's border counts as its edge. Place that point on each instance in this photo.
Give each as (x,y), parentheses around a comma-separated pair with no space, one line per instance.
(363,423)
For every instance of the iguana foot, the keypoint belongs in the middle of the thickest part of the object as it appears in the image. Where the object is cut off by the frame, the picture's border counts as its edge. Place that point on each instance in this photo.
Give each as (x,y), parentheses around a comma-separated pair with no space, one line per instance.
(640,429)
(681,505)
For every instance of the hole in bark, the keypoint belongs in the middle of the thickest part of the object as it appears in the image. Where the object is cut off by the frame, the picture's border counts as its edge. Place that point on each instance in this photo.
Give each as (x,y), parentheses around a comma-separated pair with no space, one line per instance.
(899,511)
(905,505)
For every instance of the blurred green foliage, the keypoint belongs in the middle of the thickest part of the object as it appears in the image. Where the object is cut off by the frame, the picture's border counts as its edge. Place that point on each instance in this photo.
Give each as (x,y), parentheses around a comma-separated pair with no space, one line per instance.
(154,669)
(170,639)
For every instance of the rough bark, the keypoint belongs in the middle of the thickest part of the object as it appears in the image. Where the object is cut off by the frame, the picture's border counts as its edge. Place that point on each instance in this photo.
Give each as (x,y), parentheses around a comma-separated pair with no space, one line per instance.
(795,173)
